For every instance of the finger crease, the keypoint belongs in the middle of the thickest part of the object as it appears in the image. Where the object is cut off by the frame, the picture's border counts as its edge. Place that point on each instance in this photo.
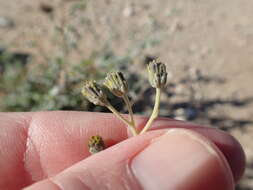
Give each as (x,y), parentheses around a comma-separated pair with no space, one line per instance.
(55,184)
(29,143)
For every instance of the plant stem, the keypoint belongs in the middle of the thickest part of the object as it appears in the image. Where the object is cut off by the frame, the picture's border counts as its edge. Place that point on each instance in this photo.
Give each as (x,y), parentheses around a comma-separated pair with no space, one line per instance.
(129,108)
(155,111)
(131,126)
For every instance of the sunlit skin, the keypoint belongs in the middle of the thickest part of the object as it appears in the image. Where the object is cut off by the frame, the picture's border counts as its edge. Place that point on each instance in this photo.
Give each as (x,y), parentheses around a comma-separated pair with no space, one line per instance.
(52,146)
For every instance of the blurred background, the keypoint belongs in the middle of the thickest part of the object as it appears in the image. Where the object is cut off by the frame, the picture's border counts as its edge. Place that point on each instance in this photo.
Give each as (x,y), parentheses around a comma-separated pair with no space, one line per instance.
(48,47)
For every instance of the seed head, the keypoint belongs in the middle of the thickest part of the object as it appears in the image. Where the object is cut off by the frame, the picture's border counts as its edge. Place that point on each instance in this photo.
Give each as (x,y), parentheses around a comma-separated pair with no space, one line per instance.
(116,83)
(93,92)
(157,74)
(96,144)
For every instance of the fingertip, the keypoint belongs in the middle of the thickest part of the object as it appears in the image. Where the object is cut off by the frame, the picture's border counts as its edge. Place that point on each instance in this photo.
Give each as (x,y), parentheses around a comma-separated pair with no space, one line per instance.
(234,154)
(227,144)
(230,148)
(182,160)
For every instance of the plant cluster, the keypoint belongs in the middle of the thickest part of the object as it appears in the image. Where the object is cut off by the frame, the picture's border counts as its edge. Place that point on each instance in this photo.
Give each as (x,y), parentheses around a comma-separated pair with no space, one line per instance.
(117,85)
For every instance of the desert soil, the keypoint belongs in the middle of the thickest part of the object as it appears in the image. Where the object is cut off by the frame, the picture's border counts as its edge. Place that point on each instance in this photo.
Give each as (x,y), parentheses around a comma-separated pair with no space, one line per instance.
(215,37)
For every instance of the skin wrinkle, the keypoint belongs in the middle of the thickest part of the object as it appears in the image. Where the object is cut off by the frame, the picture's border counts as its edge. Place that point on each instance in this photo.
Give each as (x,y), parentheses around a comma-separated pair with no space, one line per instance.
(21,124)
(26,149)
(55,184)
(130,174)
(30,145)
(124,181)
(27,173)
(94,179)
(91,177)
(81,181)
(128,181)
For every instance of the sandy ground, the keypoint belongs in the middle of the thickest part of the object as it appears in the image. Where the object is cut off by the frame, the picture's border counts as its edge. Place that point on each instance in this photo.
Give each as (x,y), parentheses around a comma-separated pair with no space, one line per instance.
(215,37)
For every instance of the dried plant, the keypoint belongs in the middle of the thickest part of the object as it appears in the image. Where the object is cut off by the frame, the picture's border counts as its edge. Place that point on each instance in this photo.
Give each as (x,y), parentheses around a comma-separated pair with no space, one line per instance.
(115,82)
(96,144)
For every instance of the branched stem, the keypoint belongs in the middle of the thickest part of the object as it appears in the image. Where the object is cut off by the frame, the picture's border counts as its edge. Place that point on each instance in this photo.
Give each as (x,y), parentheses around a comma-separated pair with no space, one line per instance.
(155,111)
(129,108)
(130,124)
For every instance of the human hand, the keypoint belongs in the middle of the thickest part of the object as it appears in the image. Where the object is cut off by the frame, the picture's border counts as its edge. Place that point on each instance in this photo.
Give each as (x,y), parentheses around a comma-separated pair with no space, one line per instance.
(48,150)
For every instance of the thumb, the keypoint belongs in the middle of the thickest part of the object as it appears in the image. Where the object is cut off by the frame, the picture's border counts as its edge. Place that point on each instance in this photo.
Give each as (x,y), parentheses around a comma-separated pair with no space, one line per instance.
(177,159)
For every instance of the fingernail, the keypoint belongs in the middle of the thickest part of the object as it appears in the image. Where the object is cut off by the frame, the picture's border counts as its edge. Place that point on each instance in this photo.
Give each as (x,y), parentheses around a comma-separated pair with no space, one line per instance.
(182,160)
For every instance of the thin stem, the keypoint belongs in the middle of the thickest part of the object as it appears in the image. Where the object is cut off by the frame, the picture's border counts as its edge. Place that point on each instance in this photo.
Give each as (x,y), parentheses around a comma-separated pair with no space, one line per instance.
(113,110)
(155,111)
(129,108)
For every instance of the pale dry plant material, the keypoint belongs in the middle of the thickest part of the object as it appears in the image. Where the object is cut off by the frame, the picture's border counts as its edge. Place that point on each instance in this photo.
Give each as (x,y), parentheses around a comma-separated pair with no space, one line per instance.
(157,75)
(117,85)
(94,93)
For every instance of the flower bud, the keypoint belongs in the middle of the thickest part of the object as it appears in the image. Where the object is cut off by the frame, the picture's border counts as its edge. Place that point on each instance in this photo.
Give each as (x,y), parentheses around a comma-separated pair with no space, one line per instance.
(96,144)
(116,83)
(93,92)
(157,74)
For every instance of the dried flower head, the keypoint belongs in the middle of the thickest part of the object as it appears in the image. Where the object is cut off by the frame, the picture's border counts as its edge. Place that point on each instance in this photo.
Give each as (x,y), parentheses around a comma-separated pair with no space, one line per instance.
(116,83)
(93,92)
(157,74)
(96,144)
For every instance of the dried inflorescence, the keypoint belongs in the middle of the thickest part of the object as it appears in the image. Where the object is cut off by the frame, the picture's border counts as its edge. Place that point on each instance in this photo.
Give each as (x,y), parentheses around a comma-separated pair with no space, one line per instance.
(157,74)
(117,85)
(96,144)
(94,93)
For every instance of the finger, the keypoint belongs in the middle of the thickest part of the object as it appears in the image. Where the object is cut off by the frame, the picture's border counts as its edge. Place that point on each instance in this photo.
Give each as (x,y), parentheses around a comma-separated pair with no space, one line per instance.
(43,144)
(34,146)
(229,146)
(177,159)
